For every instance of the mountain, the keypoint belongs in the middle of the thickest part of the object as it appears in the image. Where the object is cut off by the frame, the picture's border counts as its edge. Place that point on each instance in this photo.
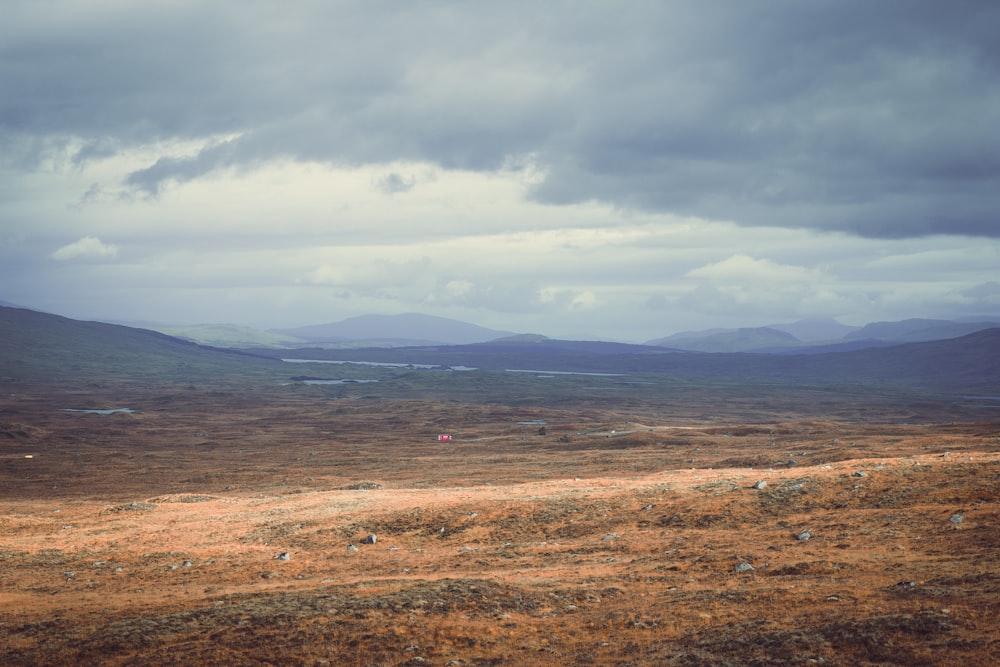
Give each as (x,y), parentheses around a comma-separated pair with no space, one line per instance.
(917,329)
(229,335)
(818,336)
(739,340)
(38,346)
(965,365)
(48,349)
(815,329)
(395,330)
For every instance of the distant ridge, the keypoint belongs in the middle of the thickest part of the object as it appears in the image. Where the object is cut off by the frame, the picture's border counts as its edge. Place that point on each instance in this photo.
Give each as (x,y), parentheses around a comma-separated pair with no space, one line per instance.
(403,329)
(739,340)
(917,329)
(228,335)
(815,329)
(39,346)
(60,351)
(820,336)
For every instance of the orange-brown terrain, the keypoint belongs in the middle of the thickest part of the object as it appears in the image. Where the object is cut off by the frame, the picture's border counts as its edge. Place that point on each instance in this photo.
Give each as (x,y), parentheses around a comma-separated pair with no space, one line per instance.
(227,527)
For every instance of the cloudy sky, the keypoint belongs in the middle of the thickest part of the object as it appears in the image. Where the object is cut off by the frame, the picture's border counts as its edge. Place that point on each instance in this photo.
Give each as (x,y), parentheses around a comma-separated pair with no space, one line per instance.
(620,170)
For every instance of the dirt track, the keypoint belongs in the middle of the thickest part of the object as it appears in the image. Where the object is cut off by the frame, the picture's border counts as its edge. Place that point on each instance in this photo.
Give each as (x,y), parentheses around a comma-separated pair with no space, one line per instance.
(153,537)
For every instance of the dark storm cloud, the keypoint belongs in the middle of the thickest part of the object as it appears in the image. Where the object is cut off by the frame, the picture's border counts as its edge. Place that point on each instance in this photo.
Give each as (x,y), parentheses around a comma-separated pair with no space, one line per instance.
(878,119)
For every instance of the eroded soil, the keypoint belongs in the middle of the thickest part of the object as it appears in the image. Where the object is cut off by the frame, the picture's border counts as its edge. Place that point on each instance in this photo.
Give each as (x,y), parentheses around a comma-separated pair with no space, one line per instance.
(597,537)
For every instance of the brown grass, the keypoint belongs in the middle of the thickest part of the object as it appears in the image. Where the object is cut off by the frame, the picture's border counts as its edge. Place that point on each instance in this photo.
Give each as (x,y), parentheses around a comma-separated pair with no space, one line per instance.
(152,538)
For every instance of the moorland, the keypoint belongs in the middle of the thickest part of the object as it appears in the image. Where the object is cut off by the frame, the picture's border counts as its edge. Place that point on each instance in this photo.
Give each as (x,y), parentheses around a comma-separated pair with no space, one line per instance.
(165,503)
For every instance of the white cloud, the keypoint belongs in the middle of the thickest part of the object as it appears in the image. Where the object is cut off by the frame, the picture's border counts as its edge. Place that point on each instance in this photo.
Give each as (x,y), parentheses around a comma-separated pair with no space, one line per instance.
(87,247)
(742,269)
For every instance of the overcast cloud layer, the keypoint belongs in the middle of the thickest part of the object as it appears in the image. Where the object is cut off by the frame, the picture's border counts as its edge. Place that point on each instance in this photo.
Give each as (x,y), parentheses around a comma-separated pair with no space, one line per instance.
(621,170)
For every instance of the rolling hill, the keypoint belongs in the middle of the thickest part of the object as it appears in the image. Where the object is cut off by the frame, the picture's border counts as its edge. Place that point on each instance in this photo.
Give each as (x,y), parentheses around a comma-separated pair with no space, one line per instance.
(394,330)
(38,346)
(41,347)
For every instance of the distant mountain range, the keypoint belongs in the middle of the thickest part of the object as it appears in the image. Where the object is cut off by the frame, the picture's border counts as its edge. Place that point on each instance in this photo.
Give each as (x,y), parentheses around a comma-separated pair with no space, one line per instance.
(808,336)
(393,330)
(42,347)
(820,336)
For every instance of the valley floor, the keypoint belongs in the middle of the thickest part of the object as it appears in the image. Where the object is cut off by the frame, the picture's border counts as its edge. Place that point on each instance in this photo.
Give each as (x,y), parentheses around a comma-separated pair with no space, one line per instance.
(231,530)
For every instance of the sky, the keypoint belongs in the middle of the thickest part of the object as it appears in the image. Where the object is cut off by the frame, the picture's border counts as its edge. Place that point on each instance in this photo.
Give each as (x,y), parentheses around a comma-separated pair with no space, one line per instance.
(613,170)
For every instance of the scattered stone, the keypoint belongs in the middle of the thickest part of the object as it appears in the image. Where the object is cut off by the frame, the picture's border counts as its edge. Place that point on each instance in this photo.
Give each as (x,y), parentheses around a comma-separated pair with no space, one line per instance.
(648,507)
(860,473)
(957,519)
(611,536)
(187,563)
(760,484)
(906,585)
(133,506)
(284,555)
(363,486)
(351,547)
(118,569)
(744,567)
(804,536)
(372,538)
(98,563)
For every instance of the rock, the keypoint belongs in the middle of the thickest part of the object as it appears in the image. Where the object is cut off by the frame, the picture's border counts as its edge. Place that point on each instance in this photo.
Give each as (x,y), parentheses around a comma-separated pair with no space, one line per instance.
(187,563)
(744,567)
(351,547)
(98,563)
(611,536)
(760,484)
(363,486)
(804,536)
(956,519)
(372,538)
(860,473)
(648,507)
(284,555)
